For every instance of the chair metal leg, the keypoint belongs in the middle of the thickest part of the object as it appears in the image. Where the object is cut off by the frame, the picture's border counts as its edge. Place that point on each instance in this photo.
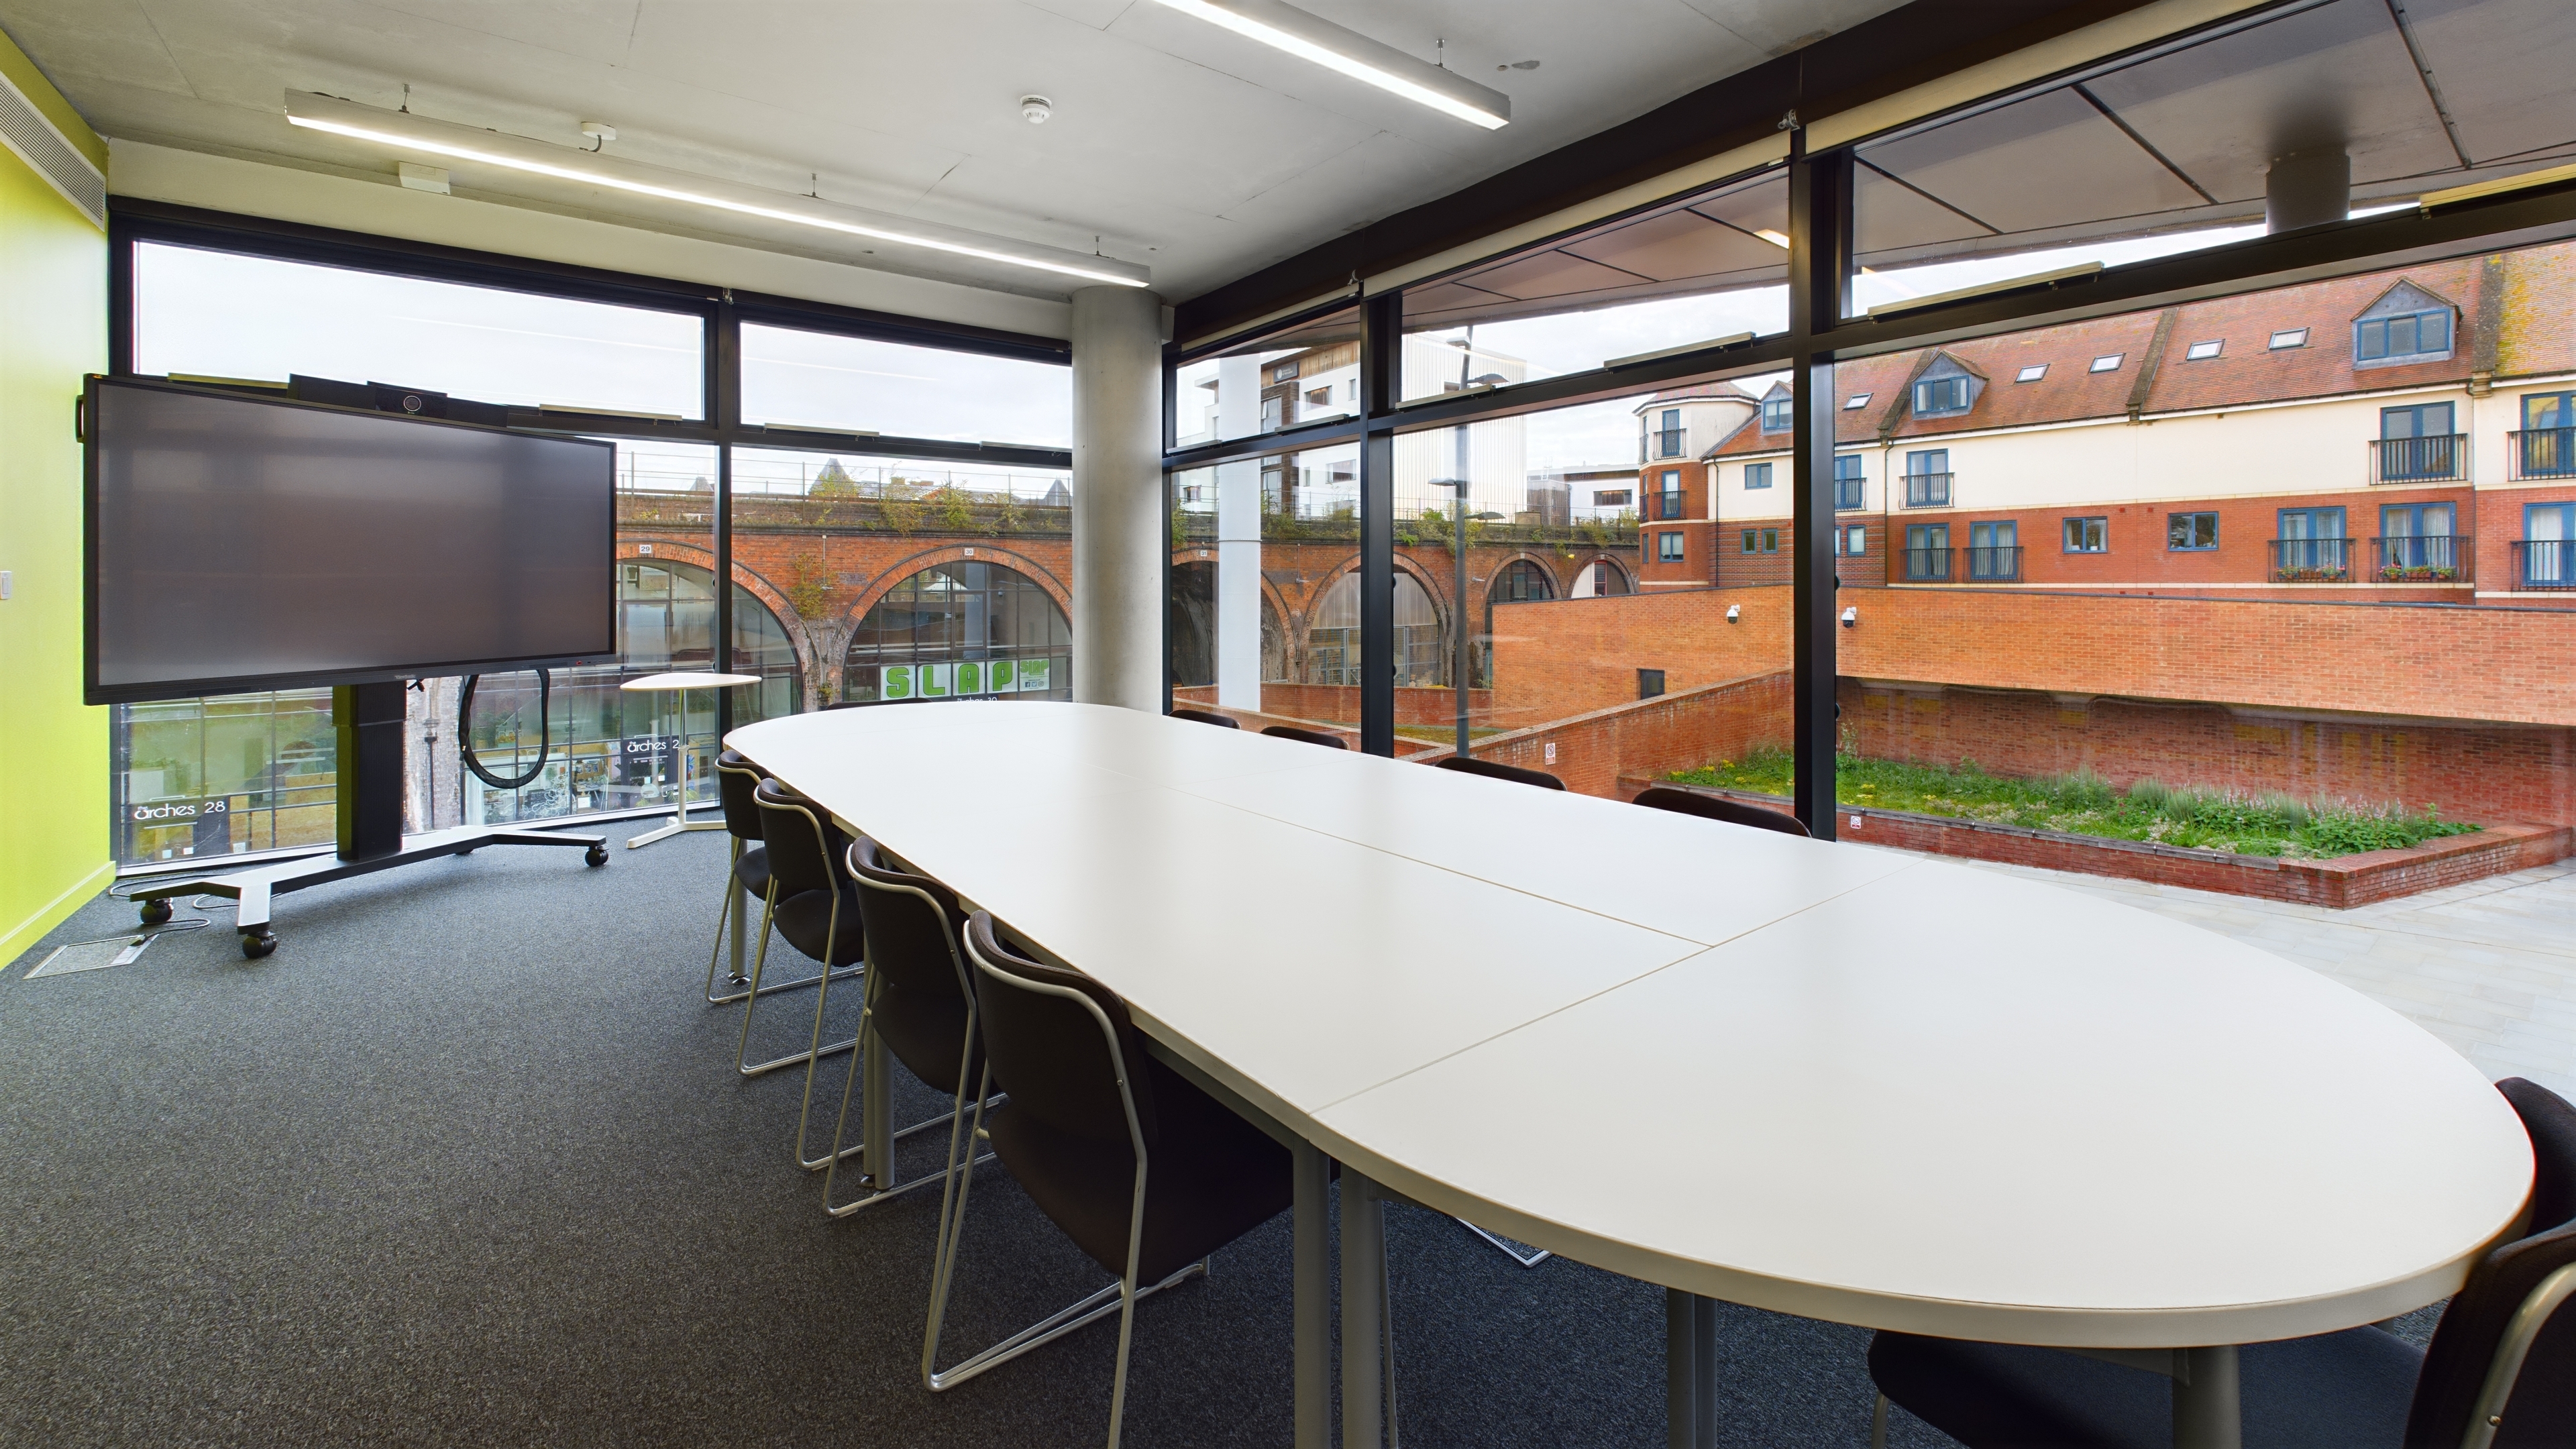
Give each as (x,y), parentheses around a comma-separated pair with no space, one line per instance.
(1120,1297)
(751,998)
(814,1052)
(868,1044)
(1878,1424)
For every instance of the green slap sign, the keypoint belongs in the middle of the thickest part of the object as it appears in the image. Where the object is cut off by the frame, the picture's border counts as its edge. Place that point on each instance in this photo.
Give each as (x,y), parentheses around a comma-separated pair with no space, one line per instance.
(964,676)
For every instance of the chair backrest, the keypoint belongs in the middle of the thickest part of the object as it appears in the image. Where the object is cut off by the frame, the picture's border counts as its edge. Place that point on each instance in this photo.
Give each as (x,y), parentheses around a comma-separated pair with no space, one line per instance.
(737,779)
(1712,807)
(1061,1040)
(1312,737)
(1206,716)
(2470,1370)
(1491,770)
(919,980)
(804,846)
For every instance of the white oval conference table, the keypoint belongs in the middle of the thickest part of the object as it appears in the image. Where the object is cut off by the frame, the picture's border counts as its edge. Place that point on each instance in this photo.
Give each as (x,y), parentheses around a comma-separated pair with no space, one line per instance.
(1822,1080)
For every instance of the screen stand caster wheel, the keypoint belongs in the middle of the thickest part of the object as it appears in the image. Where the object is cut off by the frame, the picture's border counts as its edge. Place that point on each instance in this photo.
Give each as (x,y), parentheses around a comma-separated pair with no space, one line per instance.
(156,912)
(260,945)
(596,855)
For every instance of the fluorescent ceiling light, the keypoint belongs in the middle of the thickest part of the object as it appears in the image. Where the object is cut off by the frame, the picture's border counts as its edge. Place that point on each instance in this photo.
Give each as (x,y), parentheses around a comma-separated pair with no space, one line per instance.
(465,143)
(1355,55)
(1776,239)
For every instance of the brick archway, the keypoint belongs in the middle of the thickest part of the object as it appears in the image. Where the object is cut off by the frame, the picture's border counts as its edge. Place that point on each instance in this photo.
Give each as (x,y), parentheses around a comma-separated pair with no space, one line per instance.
(672,550)
(875,590)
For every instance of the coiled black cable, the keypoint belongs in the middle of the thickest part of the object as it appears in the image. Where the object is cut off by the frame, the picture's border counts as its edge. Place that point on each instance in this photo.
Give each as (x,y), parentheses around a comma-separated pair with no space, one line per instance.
(465,735)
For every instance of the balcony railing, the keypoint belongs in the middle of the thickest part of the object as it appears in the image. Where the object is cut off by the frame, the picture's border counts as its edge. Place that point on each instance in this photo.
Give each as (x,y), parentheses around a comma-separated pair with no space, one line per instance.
(1927,490)
(1927,565)
(2312,560)
(1668,442)
(1847,493)
(2540,453)
(2442,458)
(1994,563)
(2423,559)
(2545,563)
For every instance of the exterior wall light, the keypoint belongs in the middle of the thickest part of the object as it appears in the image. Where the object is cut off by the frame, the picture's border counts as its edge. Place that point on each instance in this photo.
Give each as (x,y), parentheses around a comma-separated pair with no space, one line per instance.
(1851,618)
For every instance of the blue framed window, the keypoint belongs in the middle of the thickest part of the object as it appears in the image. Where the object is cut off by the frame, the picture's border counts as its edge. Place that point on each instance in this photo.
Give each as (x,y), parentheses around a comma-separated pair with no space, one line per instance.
(1849,480)
(1851,540)
(2546,445)
(2406,324)
(2416,441)
(1672,493)
(1668,546)
(1757,475)
(1937,396)
(1668,438)
(1927,478)
(2088,535)
(2416,543)
(1775,414)
(2548,545)
(1761,540)
(2311,547)
(2191,532)
(1927,551)
(1994,550)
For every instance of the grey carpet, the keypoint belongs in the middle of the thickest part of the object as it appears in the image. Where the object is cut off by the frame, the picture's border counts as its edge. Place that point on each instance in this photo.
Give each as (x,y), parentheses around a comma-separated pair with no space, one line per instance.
(465,1163)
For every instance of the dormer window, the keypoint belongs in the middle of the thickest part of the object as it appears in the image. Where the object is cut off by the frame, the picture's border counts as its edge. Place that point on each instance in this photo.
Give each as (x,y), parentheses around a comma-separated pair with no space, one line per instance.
(1775,414)
(2407,324)
(1945,388)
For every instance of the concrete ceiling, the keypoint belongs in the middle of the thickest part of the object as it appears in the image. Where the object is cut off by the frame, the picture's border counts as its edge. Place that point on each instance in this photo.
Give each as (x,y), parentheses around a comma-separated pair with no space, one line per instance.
(1174,143)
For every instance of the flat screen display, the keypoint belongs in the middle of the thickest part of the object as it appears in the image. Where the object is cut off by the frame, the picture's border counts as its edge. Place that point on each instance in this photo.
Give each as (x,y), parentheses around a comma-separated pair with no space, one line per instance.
(239,543)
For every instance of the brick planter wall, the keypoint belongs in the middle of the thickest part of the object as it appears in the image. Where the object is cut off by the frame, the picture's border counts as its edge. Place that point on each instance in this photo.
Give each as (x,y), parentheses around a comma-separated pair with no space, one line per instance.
(2341,883)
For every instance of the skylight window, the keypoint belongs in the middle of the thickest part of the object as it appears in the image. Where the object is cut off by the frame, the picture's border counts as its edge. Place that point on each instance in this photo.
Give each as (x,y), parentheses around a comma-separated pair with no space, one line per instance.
(1856,400)
(2203,351)
(2295,337)
(2108,364)
(2032,373)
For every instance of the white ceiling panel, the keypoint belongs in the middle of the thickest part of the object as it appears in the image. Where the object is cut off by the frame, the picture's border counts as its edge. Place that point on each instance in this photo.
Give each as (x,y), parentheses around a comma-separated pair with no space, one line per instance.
(1181,145)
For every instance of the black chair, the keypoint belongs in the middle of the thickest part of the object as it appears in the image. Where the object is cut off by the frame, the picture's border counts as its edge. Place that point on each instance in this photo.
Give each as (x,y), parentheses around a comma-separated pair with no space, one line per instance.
(2501,1370)
(1206,716)
(746,871)
(816,911)
(1470,765)
(1312,737)
(1090,1112)
(1712,807)
(920,1008)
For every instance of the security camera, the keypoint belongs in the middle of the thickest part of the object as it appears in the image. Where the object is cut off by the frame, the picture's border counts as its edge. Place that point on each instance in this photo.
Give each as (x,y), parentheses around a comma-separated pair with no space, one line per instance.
(1036,109)
(1734,612)
(1851,618)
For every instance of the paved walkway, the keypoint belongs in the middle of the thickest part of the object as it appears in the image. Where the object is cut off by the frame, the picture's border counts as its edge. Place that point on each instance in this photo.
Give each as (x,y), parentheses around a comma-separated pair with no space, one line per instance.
(2489,967)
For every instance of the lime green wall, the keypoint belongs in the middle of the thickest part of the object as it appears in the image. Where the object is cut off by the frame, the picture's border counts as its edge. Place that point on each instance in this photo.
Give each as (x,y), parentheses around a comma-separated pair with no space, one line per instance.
(53,750)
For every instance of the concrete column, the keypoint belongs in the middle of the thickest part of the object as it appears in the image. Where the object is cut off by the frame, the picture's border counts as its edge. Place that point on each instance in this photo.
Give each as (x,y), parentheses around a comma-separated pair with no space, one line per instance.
(1121,534)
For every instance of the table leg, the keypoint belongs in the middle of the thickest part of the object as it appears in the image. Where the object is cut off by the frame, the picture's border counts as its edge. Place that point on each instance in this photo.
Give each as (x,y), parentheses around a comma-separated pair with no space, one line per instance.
(1311,1234)
(876,1104)
(2205,1413)
(1690,1370)
(1363,1310)
(680,748)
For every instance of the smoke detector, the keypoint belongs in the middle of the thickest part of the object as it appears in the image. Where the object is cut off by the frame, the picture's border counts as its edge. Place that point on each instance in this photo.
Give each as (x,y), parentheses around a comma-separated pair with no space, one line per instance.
(1036,109)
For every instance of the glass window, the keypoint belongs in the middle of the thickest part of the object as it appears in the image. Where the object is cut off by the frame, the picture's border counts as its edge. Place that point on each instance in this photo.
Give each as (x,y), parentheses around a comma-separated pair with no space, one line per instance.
(2186,532)
(2292,337)
(2203,351)
(2032,373)
(1757,475)
(1856,402)
(1927,478)
(2408,337)
(2548,546)
(1994,550)
(1668,546)
(2545,446)
(861,385)
(1693,270)
(2416,442)
(228,316)
(1761,540)
(1934,396)
(1850,481)
(2088,535)
(2416,544)
(1672,493)
(961,628)
(1927,552)
(1851,540)
(1775,414)
(1268,383)
(2311,547)
(2109,363)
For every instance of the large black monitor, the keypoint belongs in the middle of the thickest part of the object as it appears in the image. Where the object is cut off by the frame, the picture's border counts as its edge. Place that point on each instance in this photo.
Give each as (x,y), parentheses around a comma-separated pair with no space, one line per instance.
(238,543)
